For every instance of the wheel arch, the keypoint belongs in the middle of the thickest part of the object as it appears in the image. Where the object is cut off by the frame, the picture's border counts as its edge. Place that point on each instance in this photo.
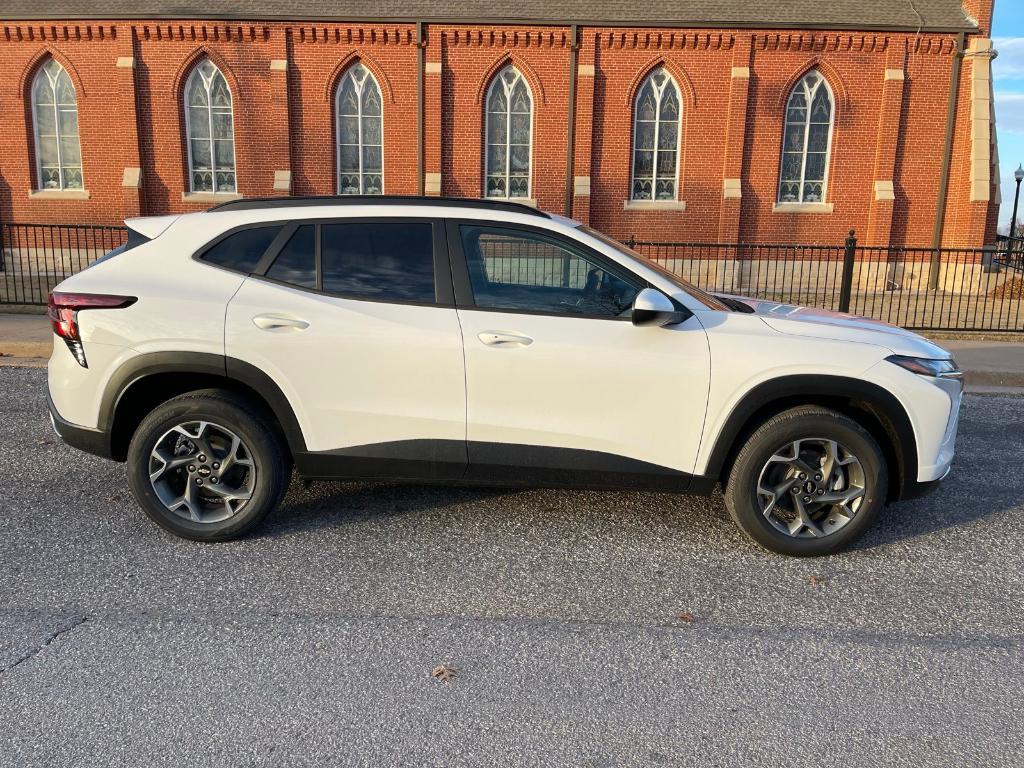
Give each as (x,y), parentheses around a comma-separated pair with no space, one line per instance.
(150,379)
(875,408)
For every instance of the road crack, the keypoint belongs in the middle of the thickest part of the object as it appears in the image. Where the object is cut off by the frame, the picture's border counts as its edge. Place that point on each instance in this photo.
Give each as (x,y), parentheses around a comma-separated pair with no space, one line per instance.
(73,623)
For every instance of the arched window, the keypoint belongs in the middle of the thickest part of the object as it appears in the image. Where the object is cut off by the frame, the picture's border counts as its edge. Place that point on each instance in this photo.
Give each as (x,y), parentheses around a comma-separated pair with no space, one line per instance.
(806,142)
(656,138)
(55,122)
(509,135)
(360,134)
(209,125)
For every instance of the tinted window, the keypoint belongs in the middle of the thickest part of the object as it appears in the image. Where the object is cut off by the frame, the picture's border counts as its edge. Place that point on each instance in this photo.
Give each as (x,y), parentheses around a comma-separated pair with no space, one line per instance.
(385,261)
(516,270)
(296,263)
(243,249)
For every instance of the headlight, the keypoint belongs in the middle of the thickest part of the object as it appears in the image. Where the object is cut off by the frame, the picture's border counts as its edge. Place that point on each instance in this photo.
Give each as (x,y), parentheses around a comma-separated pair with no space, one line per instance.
(938,369)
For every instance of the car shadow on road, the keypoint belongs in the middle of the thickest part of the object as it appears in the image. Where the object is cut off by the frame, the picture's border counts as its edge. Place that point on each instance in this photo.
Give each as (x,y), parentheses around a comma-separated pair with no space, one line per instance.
(324,504)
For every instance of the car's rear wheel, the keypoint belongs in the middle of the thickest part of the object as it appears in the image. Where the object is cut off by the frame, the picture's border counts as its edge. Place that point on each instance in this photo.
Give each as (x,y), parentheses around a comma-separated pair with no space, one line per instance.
(809,481)
(207,466)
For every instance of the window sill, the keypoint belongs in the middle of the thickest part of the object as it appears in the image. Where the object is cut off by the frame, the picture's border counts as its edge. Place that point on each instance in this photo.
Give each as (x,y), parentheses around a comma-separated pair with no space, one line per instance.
(802,208)
(209,197)
(58,194)
(654,205)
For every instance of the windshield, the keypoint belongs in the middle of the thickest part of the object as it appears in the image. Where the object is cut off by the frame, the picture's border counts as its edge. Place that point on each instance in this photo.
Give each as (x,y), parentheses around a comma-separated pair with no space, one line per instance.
(705,298)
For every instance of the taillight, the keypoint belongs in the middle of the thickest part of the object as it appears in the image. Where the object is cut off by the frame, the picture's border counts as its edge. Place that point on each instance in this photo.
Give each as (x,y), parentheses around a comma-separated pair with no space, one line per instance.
(63,309)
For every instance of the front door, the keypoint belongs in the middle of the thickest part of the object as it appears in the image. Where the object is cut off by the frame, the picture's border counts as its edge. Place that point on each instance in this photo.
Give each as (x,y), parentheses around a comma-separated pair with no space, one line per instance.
(561,387)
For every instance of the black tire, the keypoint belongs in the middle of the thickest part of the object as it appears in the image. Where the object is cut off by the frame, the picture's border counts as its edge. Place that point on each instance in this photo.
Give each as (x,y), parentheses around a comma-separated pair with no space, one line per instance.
(263,448)
(805,423)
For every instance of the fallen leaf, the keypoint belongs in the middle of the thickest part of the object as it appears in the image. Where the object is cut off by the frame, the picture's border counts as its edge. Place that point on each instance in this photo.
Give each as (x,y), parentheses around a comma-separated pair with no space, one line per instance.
(444,673)
(816,581)
(115,497)
(686,617)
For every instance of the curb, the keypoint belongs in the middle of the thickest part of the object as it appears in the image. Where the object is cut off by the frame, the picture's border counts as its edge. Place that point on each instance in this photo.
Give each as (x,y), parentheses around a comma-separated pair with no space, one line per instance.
(9,349)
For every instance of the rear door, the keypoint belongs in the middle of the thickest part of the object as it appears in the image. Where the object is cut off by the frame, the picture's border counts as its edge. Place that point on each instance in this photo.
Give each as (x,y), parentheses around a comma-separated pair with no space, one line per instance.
(355,321)
(562,388)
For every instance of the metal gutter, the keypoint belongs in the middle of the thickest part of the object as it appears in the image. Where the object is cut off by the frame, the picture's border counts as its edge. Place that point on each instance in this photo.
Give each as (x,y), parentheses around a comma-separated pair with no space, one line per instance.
(421,53)
(570,130)
(723,25)
(947,161)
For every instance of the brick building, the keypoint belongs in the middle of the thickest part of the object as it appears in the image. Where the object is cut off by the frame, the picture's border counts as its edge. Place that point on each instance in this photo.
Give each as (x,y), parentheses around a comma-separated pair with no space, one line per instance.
(707,120)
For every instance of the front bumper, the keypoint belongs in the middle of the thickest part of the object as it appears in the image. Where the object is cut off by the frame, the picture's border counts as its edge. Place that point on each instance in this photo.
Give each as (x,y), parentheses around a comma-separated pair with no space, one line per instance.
(919,489)
(94,441)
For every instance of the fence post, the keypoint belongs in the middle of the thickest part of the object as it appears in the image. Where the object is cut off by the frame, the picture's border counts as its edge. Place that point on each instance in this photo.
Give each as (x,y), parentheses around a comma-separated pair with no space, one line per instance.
(846,285)
(631,242)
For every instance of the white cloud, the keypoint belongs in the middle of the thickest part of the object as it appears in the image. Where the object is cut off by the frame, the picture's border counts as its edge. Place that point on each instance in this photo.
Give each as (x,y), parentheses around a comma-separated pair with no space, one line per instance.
(1010,111)
(1009,64)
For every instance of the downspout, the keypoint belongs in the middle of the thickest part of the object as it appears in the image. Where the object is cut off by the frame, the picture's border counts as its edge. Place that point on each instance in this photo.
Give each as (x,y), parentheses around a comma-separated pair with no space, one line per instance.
(570,131)
(421,57)
(947,161)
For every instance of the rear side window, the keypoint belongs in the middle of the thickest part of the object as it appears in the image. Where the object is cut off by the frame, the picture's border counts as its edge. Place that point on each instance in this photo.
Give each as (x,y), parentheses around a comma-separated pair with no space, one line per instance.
(242,250)
(385,261)
(296,263)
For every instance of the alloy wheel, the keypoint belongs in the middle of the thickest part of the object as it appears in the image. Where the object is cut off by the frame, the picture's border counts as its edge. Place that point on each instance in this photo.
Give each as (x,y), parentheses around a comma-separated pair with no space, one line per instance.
(202,472)
(811,488)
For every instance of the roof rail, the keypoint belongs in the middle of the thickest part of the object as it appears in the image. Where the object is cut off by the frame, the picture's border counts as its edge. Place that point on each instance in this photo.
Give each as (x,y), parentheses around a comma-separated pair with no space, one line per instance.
(300,201)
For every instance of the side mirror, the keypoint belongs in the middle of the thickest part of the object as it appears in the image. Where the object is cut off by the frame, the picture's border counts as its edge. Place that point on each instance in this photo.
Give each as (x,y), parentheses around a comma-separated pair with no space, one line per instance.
(651,307)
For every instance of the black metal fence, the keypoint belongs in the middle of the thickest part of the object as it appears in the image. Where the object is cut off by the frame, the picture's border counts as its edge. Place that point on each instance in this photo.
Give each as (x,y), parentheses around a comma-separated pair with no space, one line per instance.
(970,289)
(967,289)
(35,257)
(1010,252)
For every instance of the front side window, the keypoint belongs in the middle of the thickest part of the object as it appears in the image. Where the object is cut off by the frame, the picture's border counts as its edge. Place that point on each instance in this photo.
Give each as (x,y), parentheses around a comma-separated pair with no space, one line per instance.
(378,260)
(55,120)
(525,271)
(242,250)
(509,135)
(656,138)
(209,126)
(806,141)
(360,139)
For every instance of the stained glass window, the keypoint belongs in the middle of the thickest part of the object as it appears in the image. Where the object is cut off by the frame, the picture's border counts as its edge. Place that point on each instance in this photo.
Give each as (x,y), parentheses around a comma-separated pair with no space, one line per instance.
(360,122)
(806,141)
(209,125)
(656,138)
(55,119)
(509,135)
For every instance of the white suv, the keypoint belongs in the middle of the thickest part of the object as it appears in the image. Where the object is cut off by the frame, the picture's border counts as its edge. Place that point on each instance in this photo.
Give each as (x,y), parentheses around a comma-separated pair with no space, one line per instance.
(470,341)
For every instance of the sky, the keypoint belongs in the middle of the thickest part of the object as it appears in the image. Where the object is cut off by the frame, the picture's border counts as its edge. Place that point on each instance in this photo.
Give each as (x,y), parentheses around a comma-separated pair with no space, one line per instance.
(1008,78)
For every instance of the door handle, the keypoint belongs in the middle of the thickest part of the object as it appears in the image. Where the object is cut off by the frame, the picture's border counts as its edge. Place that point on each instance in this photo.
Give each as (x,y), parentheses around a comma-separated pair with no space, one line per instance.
(279,323)
(504,339)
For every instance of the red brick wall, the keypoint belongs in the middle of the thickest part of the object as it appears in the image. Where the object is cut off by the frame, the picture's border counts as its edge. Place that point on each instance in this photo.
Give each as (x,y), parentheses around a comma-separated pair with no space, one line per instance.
(731,126)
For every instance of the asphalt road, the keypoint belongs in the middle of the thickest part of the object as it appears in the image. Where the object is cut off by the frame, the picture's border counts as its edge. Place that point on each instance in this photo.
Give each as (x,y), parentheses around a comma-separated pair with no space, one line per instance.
(312,642)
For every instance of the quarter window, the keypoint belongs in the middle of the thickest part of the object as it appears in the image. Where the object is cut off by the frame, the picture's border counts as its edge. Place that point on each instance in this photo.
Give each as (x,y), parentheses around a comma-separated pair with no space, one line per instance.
(524,271)
(55,120)
(509,135)
(381,261)
(242,250)
(209,125)
(656,138)
(296,263)
(360,134)
(806,141)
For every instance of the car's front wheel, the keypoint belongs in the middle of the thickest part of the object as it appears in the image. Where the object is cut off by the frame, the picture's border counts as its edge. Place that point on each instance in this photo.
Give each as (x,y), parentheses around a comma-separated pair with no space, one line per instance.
(207,466)
(809,481)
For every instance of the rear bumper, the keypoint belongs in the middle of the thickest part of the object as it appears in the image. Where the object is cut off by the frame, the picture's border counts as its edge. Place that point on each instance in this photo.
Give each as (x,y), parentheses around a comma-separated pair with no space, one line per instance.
(94,441)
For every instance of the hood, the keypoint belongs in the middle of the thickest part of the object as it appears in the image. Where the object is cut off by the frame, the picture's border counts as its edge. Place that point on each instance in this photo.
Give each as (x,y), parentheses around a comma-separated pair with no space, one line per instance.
(826,324)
